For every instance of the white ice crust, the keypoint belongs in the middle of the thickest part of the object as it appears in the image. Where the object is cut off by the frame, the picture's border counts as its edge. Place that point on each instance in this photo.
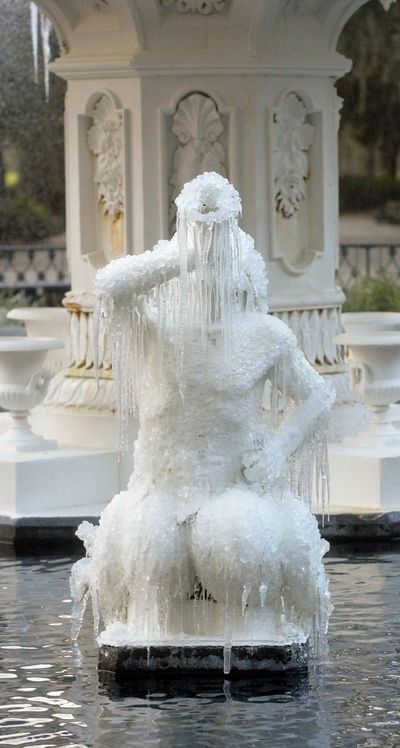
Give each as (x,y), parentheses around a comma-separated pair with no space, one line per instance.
(213,540)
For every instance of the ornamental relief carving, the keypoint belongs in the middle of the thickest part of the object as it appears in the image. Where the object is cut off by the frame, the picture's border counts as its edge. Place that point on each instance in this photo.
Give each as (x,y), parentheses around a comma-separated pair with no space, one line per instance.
(198,127)
(293,138)
(314,330)
(105,140)
(205,7)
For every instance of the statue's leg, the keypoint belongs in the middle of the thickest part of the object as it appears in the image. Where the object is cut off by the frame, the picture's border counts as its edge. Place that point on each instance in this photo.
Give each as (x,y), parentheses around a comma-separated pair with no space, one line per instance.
(235,543)
(304,578)
(142,564)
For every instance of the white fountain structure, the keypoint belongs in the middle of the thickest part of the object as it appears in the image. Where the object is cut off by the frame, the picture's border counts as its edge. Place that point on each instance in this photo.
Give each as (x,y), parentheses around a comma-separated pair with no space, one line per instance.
(367,466)
(23,385)
(33,468)
(158,91)
(213,543)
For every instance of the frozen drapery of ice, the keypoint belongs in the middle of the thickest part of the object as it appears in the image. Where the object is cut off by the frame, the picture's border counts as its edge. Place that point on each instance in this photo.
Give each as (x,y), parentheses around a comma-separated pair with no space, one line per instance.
(41,25)
(213,540)
(204,274)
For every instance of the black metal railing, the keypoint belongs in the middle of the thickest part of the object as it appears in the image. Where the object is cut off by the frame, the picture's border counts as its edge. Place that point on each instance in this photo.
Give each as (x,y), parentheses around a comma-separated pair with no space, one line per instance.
(367,260)
(35,269)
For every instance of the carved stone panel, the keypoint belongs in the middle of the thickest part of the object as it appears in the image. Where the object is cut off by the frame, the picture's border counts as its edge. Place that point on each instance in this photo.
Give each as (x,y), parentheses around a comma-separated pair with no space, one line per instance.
(198,128)
(293,138)
(296,183)
(105,138)
(103,180)
(205,7)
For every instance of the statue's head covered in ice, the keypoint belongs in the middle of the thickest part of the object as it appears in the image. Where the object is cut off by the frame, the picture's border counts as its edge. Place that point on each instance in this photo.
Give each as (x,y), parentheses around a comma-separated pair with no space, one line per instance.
(213,540)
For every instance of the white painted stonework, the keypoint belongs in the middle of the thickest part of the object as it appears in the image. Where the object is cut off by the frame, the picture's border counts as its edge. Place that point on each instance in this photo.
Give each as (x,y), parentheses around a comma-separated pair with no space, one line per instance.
(198,127)
(105,139)
(205,7)
(293,138)
(245,89)
(368,464)
(35,474)
(47,322)
(23,385)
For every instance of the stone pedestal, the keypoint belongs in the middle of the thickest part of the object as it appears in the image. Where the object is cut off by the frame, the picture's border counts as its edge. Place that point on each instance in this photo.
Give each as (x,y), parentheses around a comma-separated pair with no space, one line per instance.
(125,661)
(43,488)
(365,479)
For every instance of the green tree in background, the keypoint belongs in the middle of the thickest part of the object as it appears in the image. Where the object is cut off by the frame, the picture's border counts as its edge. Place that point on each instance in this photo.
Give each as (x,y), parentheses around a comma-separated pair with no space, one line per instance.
(31,129)
(371,92)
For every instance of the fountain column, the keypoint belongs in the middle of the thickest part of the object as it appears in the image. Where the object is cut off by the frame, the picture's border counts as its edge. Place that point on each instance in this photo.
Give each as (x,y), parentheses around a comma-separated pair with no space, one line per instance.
(162,90)
(210,86)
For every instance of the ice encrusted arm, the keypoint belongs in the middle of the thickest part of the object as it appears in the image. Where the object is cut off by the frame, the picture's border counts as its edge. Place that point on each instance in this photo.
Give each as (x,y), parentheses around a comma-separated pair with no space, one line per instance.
(136,275)
(313,398)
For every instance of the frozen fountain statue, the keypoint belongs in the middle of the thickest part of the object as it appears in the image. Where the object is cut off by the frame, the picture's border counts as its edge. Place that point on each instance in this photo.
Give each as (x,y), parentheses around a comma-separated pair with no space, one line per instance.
(213,544)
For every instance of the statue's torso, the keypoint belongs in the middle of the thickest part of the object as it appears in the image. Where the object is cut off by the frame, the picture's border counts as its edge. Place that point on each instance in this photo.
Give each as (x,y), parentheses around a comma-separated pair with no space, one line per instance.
(195,434)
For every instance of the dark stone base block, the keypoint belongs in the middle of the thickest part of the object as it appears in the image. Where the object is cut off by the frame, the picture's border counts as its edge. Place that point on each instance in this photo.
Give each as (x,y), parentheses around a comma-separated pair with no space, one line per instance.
(361,527)
(210,658)
(31,534)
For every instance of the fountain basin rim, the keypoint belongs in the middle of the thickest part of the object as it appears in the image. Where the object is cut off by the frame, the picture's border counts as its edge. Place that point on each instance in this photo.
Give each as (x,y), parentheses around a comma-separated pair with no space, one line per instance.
(21,344)
(356,322)
(37,313)
(376,338)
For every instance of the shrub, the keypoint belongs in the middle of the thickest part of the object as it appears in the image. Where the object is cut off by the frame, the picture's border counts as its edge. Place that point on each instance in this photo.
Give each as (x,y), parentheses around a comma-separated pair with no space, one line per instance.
(22,219)
(357,194)
(380,294)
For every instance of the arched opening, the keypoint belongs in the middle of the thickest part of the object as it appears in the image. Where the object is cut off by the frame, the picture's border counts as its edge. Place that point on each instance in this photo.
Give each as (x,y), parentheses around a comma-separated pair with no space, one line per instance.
(369,159)
(32,185)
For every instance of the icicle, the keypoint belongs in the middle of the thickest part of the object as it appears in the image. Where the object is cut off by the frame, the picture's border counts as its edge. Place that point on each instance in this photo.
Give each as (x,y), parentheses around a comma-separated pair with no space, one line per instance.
(34,37)
(322,473)
(263,594)
(77,613)
(274,398)
(227,658)
(80,590)
(45,31)
(245,597)
(227,690)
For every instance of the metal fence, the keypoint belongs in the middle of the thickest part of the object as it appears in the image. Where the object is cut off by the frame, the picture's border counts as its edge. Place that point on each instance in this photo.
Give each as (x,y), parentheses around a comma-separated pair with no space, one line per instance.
(371,260)
(34,269)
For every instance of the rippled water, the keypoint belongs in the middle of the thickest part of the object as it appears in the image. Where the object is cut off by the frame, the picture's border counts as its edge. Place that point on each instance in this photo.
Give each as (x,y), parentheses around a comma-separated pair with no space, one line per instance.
(52,697)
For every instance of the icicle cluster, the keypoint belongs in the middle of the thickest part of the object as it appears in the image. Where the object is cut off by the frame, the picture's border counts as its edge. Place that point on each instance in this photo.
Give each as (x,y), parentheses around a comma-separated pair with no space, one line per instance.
(206,274)
(41,27)
(214,539)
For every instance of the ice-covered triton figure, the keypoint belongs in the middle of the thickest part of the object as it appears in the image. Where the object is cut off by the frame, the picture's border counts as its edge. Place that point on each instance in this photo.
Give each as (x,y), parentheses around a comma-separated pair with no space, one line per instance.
(213,540)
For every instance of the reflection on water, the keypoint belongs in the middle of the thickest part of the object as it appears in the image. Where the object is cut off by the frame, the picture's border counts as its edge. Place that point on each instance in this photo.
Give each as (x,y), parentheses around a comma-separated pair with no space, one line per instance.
(51,697)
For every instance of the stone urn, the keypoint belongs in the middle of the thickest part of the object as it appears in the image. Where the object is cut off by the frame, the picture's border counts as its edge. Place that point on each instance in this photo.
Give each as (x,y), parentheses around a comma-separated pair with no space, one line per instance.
(23,385)
(373,356)
(46,322)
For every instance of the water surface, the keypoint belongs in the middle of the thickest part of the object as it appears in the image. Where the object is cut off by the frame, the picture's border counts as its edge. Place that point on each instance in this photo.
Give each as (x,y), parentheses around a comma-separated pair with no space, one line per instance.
(51,697)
